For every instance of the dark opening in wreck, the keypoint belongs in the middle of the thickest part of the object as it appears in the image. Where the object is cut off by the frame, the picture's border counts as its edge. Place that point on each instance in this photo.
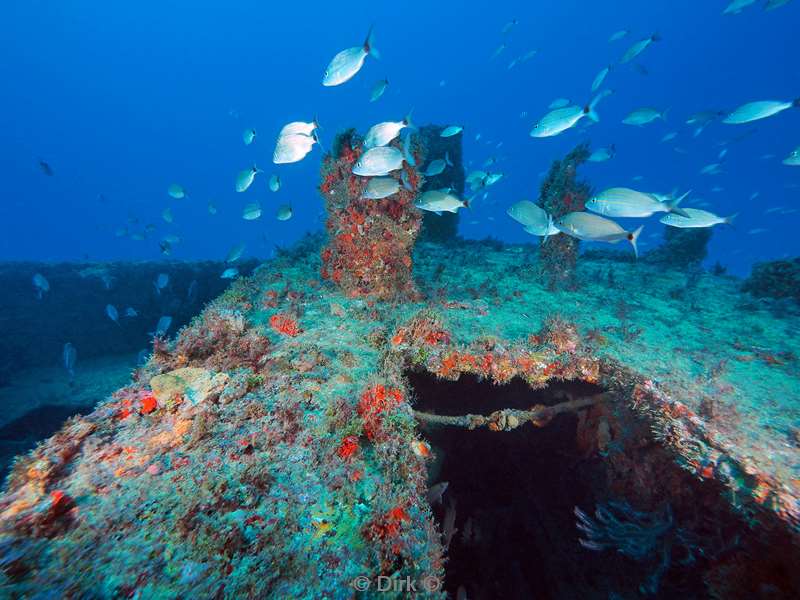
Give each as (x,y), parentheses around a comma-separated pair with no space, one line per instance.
(514,495)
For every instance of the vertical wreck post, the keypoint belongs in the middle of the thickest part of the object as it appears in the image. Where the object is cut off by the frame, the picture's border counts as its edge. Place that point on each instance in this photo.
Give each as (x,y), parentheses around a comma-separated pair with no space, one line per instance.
(369,247)
(562,193)
(444,227)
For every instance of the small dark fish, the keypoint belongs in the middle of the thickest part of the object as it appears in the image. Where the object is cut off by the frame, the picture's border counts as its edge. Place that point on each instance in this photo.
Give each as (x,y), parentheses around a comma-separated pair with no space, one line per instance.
(46,168)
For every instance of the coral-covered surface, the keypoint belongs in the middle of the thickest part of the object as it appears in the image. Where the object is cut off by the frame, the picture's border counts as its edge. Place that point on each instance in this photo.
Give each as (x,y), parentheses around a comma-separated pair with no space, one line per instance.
(562,193)
(271,450)
(775,279)
(370,241)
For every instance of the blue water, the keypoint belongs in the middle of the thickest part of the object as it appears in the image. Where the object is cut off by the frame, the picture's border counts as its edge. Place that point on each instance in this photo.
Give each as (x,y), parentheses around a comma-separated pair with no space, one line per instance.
(122,99)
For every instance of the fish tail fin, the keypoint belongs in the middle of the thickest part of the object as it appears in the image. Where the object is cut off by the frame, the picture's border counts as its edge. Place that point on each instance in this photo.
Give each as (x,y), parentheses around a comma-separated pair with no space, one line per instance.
(447,160)
(674,208)
(591,110)
(407,120)
(467,202)
(315,135)
(369,45)
(633,237)
(547,233)
(729,219)
(656,37)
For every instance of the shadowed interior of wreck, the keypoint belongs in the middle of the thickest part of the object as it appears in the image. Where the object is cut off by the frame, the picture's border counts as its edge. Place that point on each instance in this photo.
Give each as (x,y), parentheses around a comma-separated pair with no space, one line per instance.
(514,495)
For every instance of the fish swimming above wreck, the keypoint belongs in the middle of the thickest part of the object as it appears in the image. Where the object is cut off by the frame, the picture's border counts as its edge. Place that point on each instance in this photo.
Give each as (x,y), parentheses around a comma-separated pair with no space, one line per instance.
(540,340)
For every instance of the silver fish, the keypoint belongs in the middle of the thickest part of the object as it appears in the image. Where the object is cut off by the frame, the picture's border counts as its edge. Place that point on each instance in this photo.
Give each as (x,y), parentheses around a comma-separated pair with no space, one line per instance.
(643,116)
(639,47)
(533,218)
(735,7)
(378,161)
(561,119)
(160,282)
(602,154)
(509,26)
(753,111)
(248,136)
(440,201)
(625,202)
(773,4)
(436,167)
(435,493)
(347,63)
(274,183)
(251,211)
(378,90)
(451,130)
(594,228)
(618,35)
(131,312)
(712,169)
(167,215)
(235,253)
(696,218)
(284,212)
(298,127)
(559,103)
(69,356)
(230,273)
(212,209)
(600,78)
(381,187)
(112,313)
(162,326)
(498,51)
(41,284)
(293,148)
(245,178)
(176,191)
(793,160)
(383,133)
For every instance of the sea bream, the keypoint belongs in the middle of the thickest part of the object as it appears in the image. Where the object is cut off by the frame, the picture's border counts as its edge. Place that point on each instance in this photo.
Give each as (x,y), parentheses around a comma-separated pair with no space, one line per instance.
(381,187)
(559,120)
(753,111)
(533,218)
(643,116)
(245,178)
(594,228)
(440,201)
(293,147)
(378,161)
(344,66)
(695,218)
(793,160)
(383,133)
(625,202)
(436,167)
(639,47)
(378,90)
(298,127)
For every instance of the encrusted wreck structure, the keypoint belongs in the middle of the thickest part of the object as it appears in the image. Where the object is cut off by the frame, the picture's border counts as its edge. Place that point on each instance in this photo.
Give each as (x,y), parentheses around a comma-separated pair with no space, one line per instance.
(293,441)
(369,249)
(562,193)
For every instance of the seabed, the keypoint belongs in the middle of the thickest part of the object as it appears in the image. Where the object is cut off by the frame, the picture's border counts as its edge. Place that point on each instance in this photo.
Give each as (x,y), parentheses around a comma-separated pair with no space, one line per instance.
(284,443)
